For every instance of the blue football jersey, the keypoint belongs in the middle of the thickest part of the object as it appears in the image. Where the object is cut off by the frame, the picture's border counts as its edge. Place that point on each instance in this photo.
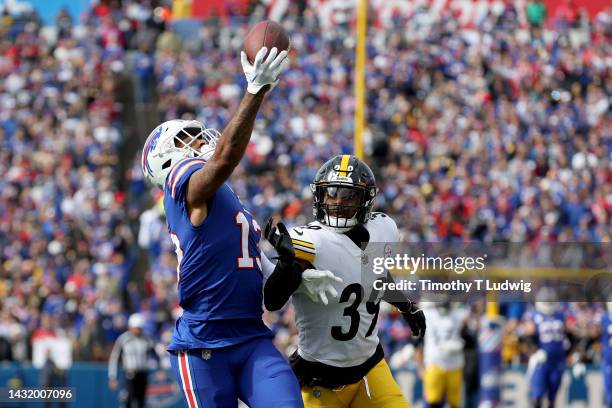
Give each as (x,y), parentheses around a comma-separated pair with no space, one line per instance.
(219,272)
(551,334)
(606,337)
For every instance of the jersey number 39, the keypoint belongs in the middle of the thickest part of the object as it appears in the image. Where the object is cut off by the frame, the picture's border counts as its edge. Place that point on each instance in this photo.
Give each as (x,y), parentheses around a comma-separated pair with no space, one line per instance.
(352,311)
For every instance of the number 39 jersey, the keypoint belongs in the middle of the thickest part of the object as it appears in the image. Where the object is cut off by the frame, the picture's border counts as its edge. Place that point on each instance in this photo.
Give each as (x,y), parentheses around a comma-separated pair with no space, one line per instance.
(342,333)
(219,272)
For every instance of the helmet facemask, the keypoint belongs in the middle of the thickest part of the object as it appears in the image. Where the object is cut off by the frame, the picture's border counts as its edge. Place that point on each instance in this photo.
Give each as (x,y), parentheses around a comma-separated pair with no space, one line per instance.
(342,206)
(187,137)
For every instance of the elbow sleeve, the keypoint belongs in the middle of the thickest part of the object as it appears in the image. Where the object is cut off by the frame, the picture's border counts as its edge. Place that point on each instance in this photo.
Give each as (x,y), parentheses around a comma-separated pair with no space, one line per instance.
(285,280)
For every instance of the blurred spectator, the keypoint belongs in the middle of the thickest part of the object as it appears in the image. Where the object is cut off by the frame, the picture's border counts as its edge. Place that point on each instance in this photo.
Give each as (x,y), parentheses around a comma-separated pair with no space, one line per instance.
(143,70)
(63,23)
(536,13)
(169,41)
(52,377)
(6,352)
(471,370)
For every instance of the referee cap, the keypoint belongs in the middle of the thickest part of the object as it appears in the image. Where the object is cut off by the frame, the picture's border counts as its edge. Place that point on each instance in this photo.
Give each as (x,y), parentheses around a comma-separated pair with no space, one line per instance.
(136,321)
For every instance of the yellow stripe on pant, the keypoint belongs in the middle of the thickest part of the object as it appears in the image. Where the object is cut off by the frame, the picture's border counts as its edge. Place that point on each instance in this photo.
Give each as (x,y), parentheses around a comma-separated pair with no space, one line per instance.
(381,391)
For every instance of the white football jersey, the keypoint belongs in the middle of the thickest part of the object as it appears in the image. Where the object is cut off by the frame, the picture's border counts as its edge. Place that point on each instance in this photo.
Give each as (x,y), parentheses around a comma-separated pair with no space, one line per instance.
(442,336)
(342,333)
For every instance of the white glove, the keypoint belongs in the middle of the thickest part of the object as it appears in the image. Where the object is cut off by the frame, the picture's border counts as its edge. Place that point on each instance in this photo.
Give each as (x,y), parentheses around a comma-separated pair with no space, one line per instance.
(539,357)
(536,359)
(400,358)
(578,370)
(262,73)
(317,284)
(578,367)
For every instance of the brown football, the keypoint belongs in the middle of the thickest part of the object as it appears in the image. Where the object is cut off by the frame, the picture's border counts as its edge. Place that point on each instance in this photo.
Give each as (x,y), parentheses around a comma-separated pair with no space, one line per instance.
(268,33)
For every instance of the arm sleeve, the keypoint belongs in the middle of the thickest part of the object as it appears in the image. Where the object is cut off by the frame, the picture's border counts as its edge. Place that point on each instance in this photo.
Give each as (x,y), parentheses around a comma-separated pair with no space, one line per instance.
(399,300)
(284,280)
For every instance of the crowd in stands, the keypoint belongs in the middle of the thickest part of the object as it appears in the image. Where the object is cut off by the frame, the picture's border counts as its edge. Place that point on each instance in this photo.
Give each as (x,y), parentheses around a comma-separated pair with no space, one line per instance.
(65,250)
(497,132)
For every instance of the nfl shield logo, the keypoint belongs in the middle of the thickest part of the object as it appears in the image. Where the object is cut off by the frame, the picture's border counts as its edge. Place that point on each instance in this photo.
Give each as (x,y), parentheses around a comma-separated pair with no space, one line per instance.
(364,258)
(206,354)
(388,251)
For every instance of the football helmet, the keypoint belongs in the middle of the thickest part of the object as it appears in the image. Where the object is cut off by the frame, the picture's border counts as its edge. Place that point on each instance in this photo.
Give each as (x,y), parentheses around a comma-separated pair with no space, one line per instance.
(171,142)
(546,301)
(344,189)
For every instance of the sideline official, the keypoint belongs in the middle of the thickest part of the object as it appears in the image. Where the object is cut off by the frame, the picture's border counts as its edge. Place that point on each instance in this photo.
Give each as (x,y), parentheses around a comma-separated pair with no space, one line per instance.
(133,348)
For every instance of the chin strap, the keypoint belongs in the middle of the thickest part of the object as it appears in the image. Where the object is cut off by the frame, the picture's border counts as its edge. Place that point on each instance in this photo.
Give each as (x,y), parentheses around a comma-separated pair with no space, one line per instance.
(207,155)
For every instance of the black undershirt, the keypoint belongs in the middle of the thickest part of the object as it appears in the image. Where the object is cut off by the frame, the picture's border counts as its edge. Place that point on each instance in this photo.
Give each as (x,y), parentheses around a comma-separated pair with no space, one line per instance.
(285,280)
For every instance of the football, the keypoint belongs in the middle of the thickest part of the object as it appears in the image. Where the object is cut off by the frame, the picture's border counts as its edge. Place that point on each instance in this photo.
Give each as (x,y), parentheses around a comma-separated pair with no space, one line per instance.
(268,33)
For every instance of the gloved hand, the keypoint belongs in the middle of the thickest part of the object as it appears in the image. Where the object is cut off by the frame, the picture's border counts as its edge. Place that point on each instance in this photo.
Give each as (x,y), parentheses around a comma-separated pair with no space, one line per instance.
(578,370)
(281,241)
(415,319)
(317,284)
(539,357)
(400,358)
(536,359)
(578,367)
(262,73)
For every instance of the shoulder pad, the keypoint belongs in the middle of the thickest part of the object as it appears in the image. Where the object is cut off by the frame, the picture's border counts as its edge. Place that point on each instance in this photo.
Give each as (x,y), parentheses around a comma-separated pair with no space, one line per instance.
(180,173)
(386,225)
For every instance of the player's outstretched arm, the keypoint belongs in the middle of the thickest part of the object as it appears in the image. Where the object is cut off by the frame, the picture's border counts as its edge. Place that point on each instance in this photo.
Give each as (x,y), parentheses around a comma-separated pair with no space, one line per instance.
(291,272)
(261,75)
(287,274)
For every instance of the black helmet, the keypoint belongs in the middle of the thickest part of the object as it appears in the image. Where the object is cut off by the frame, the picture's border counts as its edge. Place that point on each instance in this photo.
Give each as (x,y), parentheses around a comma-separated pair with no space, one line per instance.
(348,178)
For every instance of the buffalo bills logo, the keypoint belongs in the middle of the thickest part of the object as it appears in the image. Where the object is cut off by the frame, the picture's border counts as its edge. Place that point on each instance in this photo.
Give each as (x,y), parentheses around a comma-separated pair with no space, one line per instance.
(149,147)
